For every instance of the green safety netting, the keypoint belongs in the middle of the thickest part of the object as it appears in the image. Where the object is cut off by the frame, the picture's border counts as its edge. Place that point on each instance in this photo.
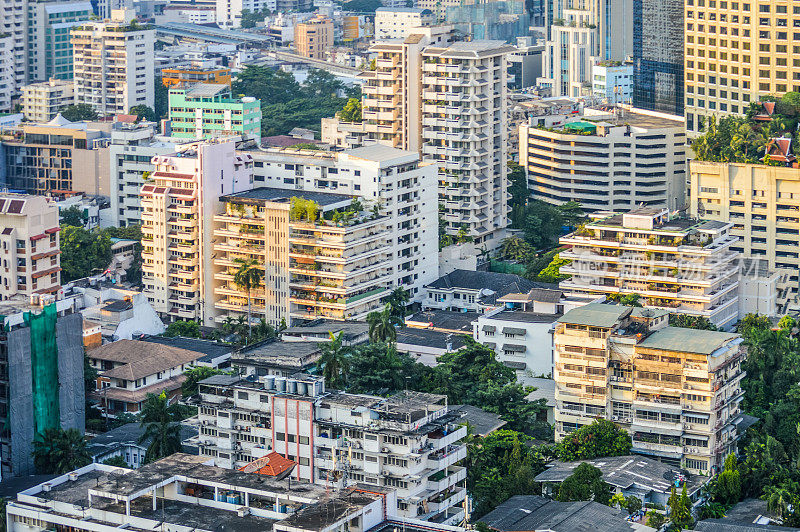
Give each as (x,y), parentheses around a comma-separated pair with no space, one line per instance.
(44,368)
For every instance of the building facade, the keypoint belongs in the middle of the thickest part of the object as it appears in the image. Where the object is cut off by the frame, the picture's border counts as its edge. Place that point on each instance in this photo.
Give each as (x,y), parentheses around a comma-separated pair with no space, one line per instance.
(44,158)
(14,45)
(8,85)
(113,64)
(393,180)
(207,110)
(616,162)
(50,50)
(313,37)
(409,438)
(397,22)
(41,102)
(31,260)
(679,265)
(762,203)
(676,391)
(658,56)
(612,82)
(178,206)
(749,56)
(172,77)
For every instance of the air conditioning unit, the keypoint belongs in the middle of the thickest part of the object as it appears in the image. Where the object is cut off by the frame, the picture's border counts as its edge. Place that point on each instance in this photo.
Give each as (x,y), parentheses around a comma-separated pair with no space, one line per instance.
(384,449)
(614,418)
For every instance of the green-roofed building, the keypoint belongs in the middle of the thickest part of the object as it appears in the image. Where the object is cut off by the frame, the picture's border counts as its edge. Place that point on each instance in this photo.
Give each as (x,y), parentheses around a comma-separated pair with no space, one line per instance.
(676,391)
(208,110)
(581,127)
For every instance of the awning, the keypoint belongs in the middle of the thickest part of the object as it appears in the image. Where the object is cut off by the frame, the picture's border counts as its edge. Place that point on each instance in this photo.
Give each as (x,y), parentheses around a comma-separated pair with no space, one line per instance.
(515,348)
(649,430)
(38,237)
(513,330)
(698,437)
(489,328)
(52,230)
(698,415)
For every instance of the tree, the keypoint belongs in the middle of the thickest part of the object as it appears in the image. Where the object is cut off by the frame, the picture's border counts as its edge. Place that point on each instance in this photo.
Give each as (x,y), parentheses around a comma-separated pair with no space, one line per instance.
(73,217)
(186,329)
(58,451)
(157,417)
(143,112)
(334,360)
(250,19)
(584,484)
(633,504)
(552,273)
(728,486)
(116,461)
(322,84)
(518,185)
(516,249)
(83,252)
(79,112)
(248,275)
(381,325)
(195,375)
(601,438)
(680,509)
(362,6)
(655,519)
(351,112)
(398,300)
(691,322)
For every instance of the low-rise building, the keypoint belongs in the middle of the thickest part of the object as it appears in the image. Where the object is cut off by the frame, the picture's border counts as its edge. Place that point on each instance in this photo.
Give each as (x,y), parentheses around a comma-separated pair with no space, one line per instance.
(648,480)
(678,264)
(338,439)
(208,110)
(464,290)
(612,82)
(42,101)
(172,77)
(353,332)
(122,314)
(676,391)
(129,370)
(398,22)
(281,359)
(123,442)
(426,345)
(605,160)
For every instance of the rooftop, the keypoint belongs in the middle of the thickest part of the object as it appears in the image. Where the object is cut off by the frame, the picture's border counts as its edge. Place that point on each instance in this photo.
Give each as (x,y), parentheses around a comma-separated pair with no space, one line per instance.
(274,353)
(523,316)
(350,329)
(443,320)
(534,513)
(627,472)
(482,422)
(128,434)
(417,10)
(282,195)
(596,315)
(209,348)
(429,338)
(207,90)
(140,359)
(378,153)
(688,340)
(545,389)
(327,513)
(491,284)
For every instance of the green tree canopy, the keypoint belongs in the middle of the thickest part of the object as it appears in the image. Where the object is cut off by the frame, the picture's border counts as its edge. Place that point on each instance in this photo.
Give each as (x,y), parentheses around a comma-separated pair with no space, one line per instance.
(73,216)
(58,451)
(83,252)
(195,375)
(144,112)
(79,112)
(351,112)
(601,438)
(159,419)
(584,484)
(187,329)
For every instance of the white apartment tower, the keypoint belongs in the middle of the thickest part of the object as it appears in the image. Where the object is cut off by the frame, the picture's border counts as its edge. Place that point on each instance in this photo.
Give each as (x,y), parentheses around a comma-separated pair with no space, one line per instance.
(113,64)
(448,101)
(8,84)
(178,205)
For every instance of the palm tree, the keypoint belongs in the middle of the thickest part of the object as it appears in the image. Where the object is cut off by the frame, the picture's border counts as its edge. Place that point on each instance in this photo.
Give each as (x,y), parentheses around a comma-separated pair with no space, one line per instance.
(57,451)
(398,300)
(158,419)
(778,499)
(247,277)
(381,325)
(335,360)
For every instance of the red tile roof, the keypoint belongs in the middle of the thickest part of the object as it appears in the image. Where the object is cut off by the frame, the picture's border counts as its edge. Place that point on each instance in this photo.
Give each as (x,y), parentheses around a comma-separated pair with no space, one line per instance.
(273,465)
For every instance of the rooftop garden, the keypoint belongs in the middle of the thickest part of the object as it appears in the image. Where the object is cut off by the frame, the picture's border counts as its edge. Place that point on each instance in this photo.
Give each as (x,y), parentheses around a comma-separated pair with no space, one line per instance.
(304,210)
(735,139)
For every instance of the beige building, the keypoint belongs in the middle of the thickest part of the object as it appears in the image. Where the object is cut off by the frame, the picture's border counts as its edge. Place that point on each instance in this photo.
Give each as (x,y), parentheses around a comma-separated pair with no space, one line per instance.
(314,37)
(178,205)
(680,265)
(736,52)
(398,22)
(41,102)
(448,101)
(113,64)
(676,391)
(762,203)
(337,265)
(607,161)
(30,246)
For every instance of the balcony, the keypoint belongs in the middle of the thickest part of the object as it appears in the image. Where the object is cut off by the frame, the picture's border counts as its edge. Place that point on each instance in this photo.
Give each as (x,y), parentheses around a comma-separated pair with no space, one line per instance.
(447,478)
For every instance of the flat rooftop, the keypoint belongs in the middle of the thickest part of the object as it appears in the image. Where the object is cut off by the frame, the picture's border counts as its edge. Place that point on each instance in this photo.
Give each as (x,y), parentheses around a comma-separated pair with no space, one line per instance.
(443,319)
(596,315)
(327,513)
(282,195)
(378,153)
(350,329)
(524,317)
(415,336)
(688,340)
(276,353)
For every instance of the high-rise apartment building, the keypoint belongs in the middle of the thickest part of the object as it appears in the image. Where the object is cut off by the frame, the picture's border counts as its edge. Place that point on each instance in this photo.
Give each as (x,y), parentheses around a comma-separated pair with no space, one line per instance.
(762,202)
(390,179)
(31,250)
(14,27)
(131,150)
(447,100)
(410,442)
(335,263)
(49,24)
(582,33)
(397,22)
(676,391)
(737,52)
(113,64)
(313,37)
(613,161)
(679,265)
(658,55)
(56,158)
(8,85)
(208,110)
(178,207)
(41,102)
